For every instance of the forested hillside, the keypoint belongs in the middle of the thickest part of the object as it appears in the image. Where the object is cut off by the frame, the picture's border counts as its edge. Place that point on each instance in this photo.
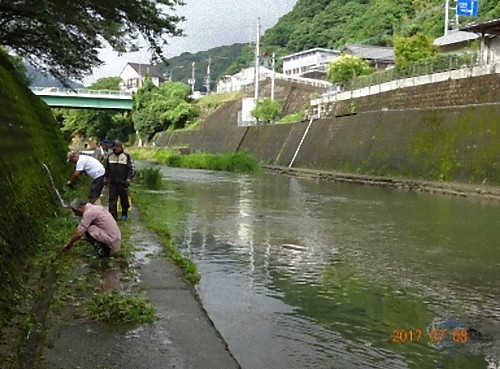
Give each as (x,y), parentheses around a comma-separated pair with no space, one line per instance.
(330,24)
(334,23)
(38,79)
(180,67)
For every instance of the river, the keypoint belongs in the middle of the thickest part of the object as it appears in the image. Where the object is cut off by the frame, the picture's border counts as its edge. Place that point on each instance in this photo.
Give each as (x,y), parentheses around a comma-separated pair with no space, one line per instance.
(304,274)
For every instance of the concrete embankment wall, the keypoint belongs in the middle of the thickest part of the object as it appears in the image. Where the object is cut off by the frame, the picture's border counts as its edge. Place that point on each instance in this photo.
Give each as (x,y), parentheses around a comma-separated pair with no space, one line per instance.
(451,92)
(448,131)
(29,137)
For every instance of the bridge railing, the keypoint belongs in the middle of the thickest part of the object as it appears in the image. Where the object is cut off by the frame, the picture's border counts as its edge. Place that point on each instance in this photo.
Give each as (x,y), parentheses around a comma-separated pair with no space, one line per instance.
(78,91)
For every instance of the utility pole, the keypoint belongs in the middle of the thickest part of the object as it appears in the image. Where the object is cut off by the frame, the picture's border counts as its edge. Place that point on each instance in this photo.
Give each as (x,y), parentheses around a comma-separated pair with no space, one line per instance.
(257,52)
(192,80)
(446,16)
(272,76)
(207,78)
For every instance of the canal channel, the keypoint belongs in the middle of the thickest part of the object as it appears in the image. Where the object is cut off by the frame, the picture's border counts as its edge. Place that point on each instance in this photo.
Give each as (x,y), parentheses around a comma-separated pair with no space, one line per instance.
(307,274)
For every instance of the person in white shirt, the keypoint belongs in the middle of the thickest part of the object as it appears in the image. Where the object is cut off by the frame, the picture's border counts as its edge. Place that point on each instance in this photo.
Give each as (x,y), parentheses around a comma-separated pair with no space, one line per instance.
(93,168)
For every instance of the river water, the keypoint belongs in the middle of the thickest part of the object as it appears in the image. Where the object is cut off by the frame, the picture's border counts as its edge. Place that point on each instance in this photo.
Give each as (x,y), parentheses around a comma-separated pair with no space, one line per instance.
(304,274)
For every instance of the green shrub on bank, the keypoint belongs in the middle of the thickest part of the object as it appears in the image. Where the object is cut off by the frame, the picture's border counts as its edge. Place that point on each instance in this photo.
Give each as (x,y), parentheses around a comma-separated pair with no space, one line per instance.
(292,118)
(239,162)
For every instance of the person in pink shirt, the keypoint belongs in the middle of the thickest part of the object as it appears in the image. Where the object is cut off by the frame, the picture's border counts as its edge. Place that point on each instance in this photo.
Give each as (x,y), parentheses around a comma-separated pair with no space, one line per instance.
(98,226)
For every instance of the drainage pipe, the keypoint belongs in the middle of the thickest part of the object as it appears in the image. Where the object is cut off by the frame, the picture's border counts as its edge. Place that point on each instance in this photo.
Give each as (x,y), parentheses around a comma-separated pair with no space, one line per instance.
(63,204)
(301,142)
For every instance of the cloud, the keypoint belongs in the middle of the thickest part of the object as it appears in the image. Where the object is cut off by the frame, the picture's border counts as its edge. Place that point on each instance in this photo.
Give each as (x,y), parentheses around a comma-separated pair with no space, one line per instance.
(209,23)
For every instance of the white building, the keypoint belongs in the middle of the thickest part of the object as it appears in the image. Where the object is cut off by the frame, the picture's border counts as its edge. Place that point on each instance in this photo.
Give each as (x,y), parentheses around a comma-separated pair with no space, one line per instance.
(242,79)
(134,73)
(313,60)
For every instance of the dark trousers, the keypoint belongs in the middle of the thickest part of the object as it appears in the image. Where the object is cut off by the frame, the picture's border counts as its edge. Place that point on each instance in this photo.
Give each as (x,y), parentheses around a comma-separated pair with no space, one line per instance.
(96,189)
(118,190)
(101,248)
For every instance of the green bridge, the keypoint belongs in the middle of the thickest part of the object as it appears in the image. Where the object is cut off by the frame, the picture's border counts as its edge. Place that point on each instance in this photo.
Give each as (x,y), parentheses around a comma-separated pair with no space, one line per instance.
(84,99)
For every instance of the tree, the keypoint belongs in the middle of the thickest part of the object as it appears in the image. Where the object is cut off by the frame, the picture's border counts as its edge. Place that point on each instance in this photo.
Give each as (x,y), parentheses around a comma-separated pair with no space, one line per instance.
(61,37)
(345,67)
(106,83)
(159,108)
(266,110)
(414,48)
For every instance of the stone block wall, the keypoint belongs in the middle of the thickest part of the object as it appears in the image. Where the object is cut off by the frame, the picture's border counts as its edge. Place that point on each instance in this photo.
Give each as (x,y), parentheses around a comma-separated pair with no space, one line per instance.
(453,92)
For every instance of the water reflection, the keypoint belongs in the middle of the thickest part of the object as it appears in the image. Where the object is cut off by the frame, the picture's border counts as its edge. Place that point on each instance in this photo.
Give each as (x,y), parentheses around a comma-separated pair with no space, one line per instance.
(300,274)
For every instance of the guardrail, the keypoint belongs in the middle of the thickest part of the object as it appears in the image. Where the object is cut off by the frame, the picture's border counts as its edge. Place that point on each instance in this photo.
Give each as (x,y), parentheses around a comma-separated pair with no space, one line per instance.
(79,91)
(303,80)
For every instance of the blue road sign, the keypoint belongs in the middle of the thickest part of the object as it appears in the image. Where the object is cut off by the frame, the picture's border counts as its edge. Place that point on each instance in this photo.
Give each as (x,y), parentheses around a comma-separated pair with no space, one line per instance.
(467,8)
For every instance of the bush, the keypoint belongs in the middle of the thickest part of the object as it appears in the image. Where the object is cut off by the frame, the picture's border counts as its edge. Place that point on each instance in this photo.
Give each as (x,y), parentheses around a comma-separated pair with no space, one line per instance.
(345,67)
(241,162)
(266,110)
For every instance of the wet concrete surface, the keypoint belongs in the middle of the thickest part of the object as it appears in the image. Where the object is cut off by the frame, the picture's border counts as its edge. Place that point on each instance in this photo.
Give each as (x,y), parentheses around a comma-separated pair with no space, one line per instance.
(182,337)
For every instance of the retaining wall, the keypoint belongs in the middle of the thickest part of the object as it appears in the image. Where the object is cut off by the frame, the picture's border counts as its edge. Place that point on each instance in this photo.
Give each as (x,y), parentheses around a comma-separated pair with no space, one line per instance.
(447,130)
(450,92)
(451,144)
(29,138)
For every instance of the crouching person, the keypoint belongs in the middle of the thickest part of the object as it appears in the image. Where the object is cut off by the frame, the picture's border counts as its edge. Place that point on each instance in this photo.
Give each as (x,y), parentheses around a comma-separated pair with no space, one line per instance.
(98,227)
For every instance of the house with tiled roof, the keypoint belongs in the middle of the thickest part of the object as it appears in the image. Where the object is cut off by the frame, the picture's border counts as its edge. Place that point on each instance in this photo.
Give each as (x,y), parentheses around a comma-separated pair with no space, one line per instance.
(454,41)
(489,36)
(134,73)
(379,57)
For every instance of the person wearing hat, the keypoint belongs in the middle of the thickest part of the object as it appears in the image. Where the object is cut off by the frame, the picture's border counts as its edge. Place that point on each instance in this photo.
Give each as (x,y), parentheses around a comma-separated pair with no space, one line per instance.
(119,172)
(101,151)
(93,168)
(98,227)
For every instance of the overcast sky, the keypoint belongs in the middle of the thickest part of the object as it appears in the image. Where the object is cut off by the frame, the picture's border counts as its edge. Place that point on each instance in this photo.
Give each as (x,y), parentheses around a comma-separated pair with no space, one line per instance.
(209,23)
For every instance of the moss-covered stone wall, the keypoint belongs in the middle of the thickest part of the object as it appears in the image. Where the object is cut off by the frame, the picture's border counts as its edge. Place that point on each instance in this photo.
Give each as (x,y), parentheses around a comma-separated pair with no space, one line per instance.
(29,138)
(460,144)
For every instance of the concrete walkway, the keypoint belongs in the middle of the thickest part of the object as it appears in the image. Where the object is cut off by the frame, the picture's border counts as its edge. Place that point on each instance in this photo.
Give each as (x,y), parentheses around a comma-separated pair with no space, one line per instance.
(182,337)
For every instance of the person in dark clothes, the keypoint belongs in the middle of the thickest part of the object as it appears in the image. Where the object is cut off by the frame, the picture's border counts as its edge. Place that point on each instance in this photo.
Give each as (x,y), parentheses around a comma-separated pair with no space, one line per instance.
(119,172)
(101,151)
